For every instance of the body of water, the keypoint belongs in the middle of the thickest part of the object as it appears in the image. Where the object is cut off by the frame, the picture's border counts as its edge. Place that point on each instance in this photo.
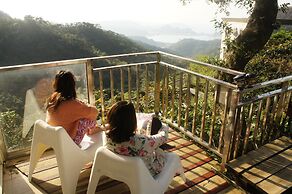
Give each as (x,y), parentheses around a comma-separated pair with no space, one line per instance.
(176,38)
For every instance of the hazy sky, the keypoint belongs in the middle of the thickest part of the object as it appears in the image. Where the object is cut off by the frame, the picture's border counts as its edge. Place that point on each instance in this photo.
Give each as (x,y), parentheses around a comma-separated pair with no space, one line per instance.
(196,15)
(95,11)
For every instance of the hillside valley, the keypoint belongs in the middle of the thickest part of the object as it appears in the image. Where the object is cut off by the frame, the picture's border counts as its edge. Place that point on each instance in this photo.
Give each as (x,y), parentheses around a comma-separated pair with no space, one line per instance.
(191,48)
(34,39)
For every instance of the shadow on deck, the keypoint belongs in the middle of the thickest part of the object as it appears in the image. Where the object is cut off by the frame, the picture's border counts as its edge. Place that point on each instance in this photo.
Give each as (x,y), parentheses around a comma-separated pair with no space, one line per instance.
(197,164)
(267,169)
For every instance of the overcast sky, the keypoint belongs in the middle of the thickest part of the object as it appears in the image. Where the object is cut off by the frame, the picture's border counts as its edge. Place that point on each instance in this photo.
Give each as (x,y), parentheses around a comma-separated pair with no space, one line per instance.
(196,15)
(95,11)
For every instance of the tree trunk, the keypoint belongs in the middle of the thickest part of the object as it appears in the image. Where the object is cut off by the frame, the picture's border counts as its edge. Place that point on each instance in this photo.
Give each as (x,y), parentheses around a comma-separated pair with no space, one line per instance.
(253,38)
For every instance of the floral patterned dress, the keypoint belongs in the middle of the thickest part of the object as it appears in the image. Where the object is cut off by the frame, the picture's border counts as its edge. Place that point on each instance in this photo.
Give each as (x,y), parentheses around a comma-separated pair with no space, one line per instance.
(147,147)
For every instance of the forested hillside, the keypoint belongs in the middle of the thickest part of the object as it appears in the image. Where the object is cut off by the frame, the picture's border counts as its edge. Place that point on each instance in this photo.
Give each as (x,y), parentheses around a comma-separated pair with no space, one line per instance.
(193,48)
(190,47)
(36,40)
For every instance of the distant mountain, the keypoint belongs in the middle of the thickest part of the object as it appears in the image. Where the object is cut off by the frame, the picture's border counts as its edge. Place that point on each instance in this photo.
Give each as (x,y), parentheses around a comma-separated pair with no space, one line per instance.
(192,48)
(149,41)
(36,40)
(186,47)
(133,29)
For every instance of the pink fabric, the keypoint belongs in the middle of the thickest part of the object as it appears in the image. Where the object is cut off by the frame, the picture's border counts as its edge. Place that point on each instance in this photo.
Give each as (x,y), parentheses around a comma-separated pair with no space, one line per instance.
(83,126)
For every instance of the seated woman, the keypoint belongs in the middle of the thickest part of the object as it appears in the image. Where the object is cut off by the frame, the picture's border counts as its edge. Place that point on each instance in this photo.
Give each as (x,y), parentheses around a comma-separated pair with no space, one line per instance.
(63,109)
(122,137)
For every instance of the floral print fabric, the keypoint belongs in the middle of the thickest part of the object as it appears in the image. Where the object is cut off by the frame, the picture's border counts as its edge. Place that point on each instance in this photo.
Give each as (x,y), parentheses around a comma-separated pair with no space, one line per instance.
(146,147)
(83,126)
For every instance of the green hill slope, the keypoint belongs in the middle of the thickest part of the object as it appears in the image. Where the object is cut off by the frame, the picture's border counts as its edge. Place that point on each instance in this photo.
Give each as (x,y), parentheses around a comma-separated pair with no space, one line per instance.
(193,48)
(36,40)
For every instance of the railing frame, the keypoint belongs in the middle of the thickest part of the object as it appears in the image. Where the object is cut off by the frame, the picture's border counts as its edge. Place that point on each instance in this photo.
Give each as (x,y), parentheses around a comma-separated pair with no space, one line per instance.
(233,103)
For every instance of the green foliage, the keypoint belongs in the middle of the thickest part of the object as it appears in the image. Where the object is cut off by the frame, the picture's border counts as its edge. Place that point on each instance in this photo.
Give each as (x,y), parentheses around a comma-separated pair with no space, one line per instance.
(274,60)
(11,128)
(194,48)
(10,102)
(203,69)
(36,40)
(11,110)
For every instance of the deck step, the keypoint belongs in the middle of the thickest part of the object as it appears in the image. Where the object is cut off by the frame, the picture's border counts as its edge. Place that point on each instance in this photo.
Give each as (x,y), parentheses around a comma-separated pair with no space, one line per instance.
(267,169)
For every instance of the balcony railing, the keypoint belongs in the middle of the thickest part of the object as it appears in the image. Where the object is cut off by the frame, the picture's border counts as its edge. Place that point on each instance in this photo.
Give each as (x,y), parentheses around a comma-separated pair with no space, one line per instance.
(226,119)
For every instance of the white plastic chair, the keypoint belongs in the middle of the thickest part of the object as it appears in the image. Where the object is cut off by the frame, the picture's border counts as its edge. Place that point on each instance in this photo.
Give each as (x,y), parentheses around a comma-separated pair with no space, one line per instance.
(133,172)
(70,157)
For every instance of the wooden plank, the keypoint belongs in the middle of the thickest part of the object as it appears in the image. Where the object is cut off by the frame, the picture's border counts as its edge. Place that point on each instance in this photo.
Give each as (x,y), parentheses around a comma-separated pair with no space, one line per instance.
(180,93)
(122,83)
(223,125)
(137,88)
(24,160)
(129,84)
(231,190)
(163,91)
(198,168)
(208,186)
(217,91)
(246,138)
(204,110)
(166,90)
(101,97)
(112,86)
(16,183)
(269,167)
(258,118)
(173,95)
(188,101)
(278,182)
(146,102)
(194,177)
(41,166)
(256,156)
(117,188)
(196,98)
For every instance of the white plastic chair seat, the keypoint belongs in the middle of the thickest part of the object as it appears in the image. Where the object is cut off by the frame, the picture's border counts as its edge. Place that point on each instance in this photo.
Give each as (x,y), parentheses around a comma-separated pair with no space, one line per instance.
(70,157)
(133,172)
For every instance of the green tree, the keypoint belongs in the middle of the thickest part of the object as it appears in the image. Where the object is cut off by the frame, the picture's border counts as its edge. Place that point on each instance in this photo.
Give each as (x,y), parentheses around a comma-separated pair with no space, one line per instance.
(274,60)
(259,28)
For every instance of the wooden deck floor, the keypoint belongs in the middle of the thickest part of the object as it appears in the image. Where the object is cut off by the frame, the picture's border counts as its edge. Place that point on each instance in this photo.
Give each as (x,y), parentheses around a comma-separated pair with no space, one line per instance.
(197,164)
(266,170)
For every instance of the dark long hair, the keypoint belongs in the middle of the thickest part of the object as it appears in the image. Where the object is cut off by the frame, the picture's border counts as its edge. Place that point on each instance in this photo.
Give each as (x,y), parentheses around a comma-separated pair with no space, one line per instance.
(122,121)
(64,89)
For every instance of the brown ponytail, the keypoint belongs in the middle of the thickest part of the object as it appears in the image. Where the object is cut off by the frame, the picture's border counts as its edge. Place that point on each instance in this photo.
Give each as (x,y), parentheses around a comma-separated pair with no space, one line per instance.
(64,89)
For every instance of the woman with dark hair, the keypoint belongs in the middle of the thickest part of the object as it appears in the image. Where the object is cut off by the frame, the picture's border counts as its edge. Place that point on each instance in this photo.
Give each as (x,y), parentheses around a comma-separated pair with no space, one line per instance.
(123,139)
(63,109)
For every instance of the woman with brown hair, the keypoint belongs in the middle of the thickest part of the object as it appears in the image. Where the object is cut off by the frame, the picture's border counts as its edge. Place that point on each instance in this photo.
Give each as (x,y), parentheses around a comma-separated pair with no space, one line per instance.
(64,109)
(123,139)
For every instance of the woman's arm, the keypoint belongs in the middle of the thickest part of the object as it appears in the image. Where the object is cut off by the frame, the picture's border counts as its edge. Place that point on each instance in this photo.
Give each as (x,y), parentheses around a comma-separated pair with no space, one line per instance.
(154,141)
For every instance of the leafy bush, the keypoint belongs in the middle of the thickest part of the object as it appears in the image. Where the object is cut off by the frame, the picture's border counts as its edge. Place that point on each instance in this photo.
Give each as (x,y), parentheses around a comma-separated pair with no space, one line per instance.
(274,61)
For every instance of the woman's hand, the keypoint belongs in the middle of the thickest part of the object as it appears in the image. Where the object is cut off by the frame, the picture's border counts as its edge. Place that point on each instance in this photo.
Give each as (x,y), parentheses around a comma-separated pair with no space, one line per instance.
(97,129)
(94,130)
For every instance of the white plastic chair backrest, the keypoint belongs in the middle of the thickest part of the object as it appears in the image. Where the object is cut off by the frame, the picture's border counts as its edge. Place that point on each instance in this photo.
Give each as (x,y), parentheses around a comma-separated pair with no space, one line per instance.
(56,137)
(124,168)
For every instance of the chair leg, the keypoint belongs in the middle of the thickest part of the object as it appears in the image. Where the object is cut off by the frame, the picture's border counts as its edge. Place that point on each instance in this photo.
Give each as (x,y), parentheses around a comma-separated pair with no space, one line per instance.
(37,150)
(94,178)
(181,173)
(69,172)
(93,182)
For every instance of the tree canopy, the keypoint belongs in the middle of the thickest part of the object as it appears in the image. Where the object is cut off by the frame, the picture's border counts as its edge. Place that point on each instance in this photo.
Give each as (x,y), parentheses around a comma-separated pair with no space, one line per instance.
(36,40)
(259,28)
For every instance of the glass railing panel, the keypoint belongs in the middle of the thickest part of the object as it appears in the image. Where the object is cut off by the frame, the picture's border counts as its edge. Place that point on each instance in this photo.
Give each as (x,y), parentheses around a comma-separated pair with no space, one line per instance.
(23,94)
